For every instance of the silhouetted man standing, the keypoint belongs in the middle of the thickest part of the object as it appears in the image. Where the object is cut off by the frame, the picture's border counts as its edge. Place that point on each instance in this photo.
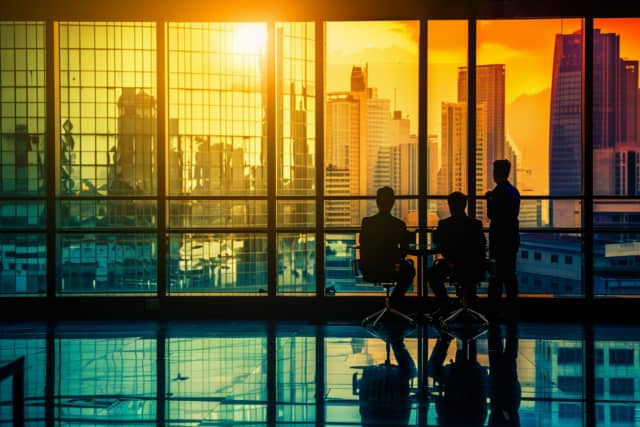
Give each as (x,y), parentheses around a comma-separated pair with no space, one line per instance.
(384,240)
(503,208)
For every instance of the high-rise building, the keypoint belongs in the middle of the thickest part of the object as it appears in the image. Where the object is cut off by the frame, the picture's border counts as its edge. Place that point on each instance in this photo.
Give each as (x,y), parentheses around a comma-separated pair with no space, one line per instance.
(360,140)
(490,91)
(452,175)
(615,109)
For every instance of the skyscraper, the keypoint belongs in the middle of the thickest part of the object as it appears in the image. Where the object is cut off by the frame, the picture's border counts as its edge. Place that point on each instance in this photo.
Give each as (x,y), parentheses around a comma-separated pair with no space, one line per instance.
(452,175)
(615,109)
(490,79)
(359,142)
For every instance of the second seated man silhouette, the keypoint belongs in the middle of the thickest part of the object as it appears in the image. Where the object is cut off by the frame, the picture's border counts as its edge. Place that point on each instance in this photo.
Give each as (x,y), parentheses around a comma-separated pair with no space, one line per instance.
(461,242)
(384,240)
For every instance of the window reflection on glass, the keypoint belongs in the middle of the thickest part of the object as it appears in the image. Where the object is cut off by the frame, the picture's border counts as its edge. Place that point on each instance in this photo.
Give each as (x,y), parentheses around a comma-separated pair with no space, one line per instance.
(550,264)
(22,108)
(296,379)
(106,380)
(350,382)
(616,264)
(107,263)
(217,108)
(34,351)
(217,263)
(23,264)
(296,263)
(371,113)
(213,379)
(295,108)
(107,108)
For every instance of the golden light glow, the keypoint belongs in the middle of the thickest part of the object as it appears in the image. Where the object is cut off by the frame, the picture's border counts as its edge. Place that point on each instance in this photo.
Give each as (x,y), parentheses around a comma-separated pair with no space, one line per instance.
(250,38)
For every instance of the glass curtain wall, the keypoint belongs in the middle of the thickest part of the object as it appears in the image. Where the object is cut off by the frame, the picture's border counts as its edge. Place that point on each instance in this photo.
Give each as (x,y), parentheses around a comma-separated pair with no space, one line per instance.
(22,159)
(106,206)
(528,110)
(242,150)
(616,157)
(371,119)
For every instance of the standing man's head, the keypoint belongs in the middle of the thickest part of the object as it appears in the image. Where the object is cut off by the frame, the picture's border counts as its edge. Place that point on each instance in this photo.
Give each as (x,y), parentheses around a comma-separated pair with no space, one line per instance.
(457,203)
(501,169)
(385,198)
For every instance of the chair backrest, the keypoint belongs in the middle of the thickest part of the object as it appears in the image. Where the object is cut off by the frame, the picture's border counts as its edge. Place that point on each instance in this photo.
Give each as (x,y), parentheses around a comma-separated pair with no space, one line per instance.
(377,277)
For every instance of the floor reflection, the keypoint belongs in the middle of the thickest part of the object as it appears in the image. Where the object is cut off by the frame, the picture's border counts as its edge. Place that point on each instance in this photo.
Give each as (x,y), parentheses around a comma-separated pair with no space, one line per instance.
(292,373)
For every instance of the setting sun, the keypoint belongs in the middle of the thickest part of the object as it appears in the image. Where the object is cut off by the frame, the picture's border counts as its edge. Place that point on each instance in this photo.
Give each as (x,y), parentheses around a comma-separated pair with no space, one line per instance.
(249,38)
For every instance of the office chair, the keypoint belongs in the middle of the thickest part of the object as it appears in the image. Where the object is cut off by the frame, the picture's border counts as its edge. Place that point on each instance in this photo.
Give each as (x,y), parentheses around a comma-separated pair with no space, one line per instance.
(387,283)
(464,292)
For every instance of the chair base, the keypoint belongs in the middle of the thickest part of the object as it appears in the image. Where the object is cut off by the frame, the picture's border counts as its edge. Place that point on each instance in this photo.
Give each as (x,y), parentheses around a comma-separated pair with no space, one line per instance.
(386,309)
(465,312)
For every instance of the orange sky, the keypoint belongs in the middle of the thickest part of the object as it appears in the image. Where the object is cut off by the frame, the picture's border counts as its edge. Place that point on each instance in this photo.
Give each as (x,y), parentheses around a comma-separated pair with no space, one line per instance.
(524,46)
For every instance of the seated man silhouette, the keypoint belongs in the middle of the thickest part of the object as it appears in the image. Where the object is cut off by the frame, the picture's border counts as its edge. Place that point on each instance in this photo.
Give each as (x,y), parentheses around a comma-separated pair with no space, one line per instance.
(461,242)
(384,240)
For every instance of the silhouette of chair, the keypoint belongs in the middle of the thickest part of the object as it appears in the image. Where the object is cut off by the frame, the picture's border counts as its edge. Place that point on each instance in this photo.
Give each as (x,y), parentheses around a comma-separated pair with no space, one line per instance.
(465,290)
(387,281)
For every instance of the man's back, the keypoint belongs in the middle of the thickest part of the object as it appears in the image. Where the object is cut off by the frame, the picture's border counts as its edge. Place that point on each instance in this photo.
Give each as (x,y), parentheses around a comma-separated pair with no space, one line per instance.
(383,241)
(462,242)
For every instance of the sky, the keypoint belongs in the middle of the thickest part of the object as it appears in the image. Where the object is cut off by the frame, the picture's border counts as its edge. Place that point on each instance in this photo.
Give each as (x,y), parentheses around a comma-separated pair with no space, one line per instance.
(525,47)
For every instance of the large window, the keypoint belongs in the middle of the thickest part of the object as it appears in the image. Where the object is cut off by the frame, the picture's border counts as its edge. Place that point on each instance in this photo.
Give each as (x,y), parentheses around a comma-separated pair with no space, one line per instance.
(22,158)
(239,158)
(616,156)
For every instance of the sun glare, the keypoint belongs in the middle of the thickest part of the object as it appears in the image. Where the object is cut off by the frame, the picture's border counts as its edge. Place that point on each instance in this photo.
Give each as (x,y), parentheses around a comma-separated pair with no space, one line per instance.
(249,38)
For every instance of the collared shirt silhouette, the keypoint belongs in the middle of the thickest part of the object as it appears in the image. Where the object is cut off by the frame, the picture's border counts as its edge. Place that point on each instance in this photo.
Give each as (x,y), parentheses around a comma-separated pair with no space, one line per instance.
(503,208)
(384,240)
(461,241)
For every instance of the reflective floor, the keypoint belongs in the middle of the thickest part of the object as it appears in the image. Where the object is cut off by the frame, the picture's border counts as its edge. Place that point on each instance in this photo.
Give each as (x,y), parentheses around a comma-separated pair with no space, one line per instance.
(336,374)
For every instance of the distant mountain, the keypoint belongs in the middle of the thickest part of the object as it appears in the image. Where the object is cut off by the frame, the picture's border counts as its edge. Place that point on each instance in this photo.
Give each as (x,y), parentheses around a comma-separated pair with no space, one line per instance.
(527,123)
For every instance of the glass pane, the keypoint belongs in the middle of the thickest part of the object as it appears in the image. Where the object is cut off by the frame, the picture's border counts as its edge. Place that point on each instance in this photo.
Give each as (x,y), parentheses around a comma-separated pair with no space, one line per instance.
(218,213)
(296,263)
(447,115)
(296,213)
(217,263)
(616,264)
(108,109)
(217,101)
(210,379)
(296,380)
(616,153)
(619,213)
(528,102)
(295,108)
(344,212)
(534,213)
(107,263)
(371,113)
(22,108)
(106,380)
(550,264)
(106,213)
(19,214)
(23,264)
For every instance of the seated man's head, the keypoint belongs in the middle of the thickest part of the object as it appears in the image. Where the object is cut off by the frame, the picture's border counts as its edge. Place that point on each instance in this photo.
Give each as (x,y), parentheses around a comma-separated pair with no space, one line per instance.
(501,169)
(457,203)
(385,198)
